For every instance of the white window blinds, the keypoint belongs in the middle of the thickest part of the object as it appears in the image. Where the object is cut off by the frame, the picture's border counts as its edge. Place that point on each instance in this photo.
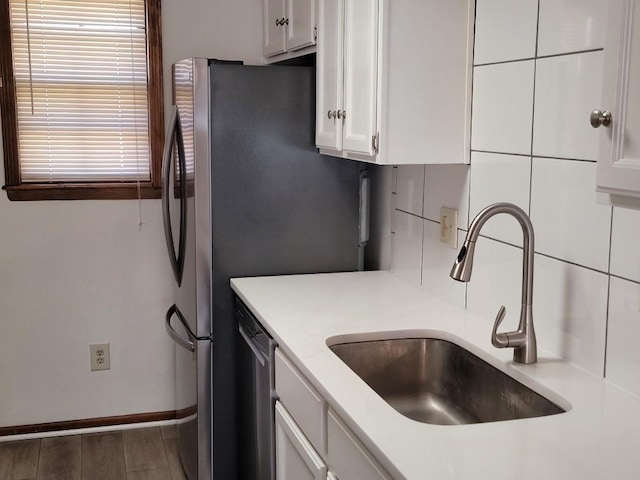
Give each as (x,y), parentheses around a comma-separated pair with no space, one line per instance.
(80,70)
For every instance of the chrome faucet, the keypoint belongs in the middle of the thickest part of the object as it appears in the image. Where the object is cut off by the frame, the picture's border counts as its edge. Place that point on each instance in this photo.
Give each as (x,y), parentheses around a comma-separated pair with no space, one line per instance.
(522,340)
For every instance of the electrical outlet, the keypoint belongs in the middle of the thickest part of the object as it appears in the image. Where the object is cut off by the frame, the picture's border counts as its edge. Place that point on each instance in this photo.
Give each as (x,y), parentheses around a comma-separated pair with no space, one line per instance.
(449,227)
(100,359)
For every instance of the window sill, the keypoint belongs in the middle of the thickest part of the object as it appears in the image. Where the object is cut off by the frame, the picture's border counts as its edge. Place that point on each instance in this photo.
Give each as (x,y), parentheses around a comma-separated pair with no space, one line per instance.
(81,191)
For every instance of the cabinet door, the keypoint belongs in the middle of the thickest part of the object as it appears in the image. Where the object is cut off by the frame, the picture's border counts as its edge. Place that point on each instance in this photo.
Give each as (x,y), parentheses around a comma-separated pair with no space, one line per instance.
(618,171)
(360,75)
(329,74)
(295,457)
(274,29)
(347,457)
(301,23)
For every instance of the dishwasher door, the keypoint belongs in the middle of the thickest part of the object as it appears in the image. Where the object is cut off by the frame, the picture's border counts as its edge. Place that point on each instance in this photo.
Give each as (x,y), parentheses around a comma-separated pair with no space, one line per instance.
(257,398)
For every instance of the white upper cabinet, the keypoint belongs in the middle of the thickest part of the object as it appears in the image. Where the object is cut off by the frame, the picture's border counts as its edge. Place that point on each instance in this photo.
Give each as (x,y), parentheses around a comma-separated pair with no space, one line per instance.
(401,72)
(360,73)
(618,119)
(329,74)
(289,27)
(346,70)
(274,31)
(301,29)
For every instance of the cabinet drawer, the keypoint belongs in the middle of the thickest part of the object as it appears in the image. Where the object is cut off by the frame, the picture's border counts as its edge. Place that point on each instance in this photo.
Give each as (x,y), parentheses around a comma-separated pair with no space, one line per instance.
(302,401)
(348,459)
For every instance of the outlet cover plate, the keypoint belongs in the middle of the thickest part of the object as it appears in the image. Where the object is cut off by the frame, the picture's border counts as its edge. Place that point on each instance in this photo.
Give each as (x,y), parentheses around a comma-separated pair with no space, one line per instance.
(100,358)
(449,227)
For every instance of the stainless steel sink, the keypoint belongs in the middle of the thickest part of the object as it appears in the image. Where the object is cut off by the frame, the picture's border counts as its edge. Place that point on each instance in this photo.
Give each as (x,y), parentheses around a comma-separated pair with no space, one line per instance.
(436,381)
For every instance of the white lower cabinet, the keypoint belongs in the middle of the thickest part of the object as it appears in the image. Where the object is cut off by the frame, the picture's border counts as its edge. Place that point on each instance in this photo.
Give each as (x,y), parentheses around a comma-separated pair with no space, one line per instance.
(311,440)
(296,458)
(347,457)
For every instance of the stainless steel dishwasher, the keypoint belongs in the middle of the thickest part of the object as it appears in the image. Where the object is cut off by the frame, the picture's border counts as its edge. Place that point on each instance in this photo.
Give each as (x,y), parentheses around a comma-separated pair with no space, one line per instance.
(256,384)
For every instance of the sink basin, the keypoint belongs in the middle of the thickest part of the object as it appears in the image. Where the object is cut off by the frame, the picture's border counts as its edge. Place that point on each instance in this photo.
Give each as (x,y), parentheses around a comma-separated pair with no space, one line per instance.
(438,382)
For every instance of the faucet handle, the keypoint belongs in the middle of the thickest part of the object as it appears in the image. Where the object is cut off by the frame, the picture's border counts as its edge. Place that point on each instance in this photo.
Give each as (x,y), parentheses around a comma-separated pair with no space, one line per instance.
(499,340)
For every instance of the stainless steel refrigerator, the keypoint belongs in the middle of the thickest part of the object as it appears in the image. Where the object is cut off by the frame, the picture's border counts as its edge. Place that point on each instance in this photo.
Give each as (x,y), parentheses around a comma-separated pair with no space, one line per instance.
(245,193)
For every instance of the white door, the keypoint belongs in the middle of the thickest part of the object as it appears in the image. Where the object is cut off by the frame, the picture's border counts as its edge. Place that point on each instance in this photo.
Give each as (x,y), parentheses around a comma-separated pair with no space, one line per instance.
(300,24)
(329,74)
(274,27)
(295,457)
(360,75)
(618,171)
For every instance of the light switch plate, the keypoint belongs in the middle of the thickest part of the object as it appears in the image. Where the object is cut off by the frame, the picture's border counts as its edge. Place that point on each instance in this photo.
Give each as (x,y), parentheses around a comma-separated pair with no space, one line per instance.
(449,227)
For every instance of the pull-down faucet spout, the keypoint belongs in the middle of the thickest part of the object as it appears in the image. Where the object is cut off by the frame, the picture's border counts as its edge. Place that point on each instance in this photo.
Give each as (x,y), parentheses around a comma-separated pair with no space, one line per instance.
(522,340)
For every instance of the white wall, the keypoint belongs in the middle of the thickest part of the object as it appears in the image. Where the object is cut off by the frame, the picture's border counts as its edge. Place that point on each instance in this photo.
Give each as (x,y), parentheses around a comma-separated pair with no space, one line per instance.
(535,82)
(80,272)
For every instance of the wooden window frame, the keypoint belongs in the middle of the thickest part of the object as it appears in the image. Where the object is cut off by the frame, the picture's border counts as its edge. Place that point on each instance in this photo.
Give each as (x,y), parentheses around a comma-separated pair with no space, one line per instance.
(17,190)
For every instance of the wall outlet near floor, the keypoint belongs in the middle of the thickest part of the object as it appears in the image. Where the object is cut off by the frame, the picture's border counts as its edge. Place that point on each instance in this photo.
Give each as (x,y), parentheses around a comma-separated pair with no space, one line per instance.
(449,227)
(100,359)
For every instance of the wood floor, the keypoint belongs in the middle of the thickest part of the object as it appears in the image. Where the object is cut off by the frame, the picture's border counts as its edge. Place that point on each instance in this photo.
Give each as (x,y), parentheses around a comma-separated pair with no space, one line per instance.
(142,454)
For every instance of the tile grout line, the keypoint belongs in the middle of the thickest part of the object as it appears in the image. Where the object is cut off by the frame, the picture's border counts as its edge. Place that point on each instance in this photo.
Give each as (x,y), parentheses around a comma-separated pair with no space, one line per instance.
(536,56)
(546,255)
(619,277)
(545,157)
(606,327)
(606,322)
(468,219)
(424,186)
(533,110)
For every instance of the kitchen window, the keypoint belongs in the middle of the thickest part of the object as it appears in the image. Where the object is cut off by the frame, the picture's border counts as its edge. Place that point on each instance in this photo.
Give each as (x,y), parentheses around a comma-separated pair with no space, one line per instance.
(81,98)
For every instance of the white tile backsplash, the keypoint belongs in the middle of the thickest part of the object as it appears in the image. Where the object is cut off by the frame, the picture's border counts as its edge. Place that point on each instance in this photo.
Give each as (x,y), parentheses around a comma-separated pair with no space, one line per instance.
(570,312)
(505,30)
(437,260)
(625,255)
(567,88)
(582,245)
(406,247)
(447,186)
(623,354)
(500,178)
(569,224)
(410,188)
(502,107)
(571,26)
(496,281)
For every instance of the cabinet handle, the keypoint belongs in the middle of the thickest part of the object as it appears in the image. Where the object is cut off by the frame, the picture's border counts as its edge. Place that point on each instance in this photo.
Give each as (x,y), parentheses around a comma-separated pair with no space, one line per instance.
(277,22)
(331,114)
(282,21)
(598,118)
(287,21)
(341,114)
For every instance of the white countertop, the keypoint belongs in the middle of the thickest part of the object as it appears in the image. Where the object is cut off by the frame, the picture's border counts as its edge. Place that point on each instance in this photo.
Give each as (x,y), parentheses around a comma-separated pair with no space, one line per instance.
(597,438)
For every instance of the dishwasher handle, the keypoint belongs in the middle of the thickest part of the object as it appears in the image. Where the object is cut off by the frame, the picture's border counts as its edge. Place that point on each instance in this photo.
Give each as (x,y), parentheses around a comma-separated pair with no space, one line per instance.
(189,343)
(254,349)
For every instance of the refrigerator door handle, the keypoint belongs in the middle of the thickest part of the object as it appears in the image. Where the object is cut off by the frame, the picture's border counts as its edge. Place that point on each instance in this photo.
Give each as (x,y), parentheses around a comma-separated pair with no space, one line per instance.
(189,343)
(174,135)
